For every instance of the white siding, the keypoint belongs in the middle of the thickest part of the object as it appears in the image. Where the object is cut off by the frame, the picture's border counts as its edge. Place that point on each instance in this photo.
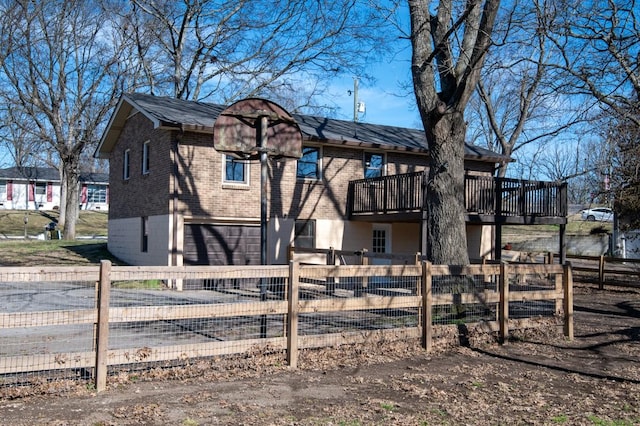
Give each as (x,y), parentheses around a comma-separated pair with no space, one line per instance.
(125,240)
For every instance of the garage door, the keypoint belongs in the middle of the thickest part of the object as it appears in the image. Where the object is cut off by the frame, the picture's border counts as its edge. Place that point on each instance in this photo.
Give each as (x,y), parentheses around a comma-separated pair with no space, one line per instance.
(221,245)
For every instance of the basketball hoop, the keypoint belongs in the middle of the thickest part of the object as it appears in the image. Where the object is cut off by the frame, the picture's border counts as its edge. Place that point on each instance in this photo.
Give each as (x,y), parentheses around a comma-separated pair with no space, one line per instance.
(252,126)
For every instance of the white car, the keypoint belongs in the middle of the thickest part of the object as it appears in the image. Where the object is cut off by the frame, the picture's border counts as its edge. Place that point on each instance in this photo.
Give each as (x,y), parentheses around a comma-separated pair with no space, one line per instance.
(601,214)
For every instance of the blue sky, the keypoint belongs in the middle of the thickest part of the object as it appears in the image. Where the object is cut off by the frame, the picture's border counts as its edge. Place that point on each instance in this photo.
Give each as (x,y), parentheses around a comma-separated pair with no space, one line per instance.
(387,99)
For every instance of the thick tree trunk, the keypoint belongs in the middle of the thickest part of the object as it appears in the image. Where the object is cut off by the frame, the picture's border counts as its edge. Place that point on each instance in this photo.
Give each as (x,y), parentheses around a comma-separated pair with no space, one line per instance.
(62,208)
(446,230)
(71,179)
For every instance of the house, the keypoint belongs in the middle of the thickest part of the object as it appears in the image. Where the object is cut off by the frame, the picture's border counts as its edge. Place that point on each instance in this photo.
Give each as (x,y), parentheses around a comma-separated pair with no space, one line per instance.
(38,188)
(176,200)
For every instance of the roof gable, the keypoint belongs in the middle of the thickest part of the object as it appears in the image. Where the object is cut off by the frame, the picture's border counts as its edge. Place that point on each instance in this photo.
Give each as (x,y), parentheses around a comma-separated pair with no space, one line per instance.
(200,116)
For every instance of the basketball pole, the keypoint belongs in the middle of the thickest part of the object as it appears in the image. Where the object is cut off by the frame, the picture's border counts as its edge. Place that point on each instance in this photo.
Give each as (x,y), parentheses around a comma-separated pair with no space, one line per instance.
(251,120)
(262,147)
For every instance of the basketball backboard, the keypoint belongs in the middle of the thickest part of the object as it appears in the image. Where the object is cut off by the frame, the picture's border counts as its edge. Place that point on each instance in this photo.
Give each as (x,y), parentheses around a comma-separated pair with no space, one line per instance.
(237,130)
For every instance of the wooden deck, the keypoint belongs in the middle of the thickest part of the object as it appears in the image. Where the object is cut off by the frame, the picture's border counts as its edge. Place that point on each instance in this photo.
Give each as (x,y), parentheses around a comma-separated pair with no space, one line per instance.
(487,200)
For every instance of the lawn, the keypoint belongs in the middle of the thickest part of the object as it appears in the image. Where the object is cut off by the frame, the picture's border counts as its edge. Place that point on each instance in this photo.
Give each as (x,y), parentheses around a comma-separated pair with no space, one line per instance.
(12,222)
(53,252)
(16,251)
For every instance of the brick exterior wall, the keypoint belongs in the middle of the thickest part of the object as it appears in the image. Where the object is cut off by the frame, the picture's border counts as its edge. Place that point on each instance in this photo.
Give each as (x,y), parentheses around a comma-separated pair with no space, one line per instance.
(202,194)
(142,194)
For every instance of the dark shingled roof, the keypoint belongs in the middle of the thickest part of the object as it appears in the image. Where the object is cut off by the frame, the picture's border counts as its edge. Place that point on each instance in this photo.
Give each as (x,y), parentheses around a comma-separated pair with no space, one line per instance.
(176,112)
(48,174)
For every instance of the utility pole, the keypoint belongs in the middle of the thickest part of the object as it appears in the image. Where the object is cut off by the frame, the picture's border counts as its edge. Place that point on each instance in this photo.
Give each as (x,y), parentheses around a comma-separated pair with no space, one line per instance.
(355,99)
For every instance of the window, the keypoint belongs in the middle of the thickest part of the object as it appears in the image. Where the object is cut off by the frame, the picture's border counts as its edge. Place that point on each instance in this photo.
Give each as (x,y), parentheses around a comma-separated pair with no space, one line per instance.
(309,164)
(379,243)
(373,165)
(145,234)
(125,165)
(235,171)
(41,189)
(145,158)
(3,190)
(305,234)
(96,193)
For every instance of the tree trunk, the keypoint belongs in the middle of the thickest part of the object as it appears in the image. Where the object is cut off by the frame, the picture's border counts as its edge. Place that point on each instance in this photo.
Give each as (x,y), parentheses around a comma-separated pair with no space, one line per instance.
(71,180)
(446,230)
(62,208)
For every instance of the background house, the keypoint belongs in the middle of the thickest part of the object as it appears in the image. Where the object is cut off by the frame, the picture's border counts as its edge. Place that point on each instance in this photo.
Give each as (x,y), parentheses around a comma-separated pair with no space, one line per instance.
(38,188)
(176,200)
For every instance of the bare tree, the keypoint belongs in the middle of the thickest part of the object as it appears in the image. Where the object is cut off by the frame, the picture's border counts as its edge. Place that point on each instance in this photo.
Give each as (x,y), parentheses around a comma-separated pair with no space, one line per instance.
(61,76)
(598,44)
(517,107)
(449,42)
(223,50)
(624,141)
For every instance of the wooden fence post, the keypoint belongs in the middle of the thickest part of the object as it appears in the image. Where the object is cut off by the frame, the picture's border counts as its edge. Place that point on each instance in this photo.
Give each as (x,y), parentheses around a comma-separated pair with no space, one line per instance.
(503,307)
(601,272)
(363,282)
(427,307)
(292,315)
(559,282)
(102,331)
(290,252)
(550,258)
(568,301)
(331,260)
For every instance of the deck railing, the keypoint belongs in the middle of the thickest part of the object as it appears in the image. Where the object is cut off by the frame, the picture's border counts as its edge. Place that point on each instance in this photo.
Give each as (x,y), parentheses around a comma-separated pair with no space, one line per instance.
(484,195)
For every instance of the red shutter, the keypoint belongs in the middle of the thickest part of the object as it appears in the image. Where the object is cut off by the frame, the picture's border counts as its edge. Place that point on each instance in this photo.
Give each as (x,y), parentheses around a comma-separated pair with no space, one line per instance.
(9,190)
(31,191)
(107,198)
(49,192)
(84,193)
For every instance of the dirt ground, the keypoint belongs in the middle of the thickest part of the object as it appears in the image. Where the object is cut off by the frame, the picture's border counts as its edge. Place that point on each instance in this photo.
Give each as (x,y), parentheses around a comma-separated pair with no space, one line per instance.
(533,380)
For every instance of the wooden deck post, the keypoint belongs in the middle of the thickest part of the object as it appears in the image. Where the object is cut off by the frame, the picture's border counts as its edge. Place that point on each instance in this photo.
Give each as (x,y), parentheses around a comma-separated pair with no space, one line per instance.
(427,307)
(503,307)
(102,330)
(601,273)
(563,244)
(292,315)
(568,301)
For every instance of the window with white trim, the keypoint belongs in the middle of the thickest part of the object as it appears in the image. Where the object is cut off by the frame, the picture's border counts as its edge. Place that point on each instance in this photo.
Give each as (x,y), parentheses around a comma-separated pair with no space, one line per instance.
(96,193)
(3,190)
(305,233)
(125,165)
(145,158)
(41,189)
(235,171)
(310,164)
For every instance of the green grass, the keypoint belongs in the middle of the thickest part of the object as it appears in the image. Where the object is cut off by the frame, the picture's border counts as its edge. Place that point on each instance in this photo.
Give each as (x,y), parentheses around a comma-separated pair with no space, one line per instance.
(600,422)
(139,285)
(90,223)
(561,419)
(53,252)
(574,227)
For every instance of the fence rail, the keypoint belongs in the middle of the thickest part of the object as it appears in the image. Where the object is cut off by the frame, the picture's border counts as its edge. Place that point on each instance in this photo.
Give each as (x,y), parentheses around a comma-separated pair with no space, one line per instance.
(609,270)
(96,318)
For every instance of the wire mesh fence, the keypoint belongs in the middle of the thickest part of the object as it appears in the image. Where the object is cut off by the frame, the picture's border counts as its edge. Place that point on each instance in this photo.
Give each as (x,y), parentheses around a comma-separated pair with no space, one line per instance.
(461,310)
(86,322)
(365,285)
(46,323)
